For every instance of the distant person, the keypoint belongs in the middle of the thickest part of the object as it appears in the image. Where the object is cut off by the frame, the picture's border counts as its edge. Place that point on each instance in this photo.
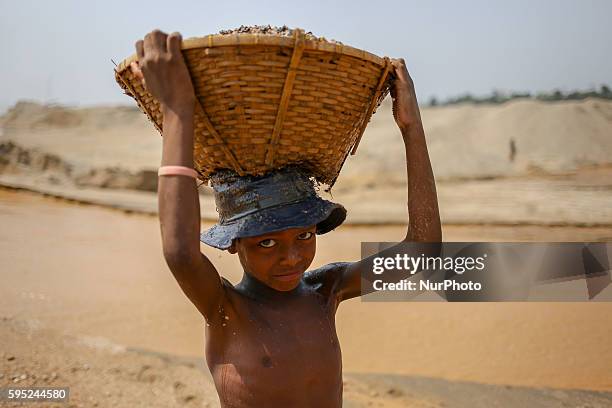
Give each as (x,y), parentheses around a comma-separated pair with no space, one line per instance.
(271,339)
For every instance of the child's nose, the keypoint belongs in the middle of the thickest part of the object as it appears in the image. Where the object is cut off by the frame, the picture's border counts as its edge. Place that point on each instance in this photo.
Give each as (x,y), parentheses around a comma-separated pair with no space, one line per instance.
(291,257)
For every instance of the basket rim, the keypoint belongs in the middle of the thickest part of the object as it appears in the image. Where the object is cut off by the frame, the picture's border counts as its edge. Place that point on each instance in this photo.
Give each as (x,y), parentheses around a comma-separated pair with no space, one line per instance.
(247,39)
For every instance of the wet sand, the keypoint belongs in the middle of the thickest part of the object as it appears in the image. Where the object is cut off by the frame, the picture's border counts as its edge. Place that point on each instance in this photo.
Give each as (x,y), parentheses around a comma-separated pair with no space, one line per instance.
(96,272)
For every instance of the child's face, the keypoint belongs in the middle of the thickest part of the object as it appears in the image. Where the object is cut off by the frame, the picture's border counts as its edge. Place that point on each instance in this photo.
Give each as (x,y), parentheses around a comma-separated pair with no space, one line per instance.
(277,259)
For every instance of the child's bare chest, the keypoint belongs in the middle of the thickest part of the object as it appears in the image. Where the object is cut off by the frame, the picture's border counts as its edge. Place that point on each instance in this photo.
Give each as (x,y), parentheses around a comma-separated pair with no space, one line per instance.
(294,347)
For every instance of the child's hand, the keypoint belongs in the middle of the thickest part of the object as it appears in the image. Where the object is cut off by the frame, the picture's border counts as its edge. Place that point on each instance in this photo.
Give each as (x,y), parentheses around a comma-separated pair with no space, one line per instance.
(162,68)
(405,107)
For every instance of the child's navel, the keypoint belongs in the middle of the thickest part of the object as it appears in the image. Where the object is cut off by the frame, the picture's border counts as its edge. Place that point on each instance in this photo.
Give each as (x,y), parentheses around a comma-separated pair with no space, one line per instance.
(266,361)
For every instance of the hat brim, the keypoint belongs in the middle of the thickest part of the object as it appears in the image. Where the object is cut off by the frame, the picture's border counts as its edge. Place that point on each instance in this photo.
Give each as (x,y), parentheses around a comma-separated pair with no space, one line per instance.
(326,215)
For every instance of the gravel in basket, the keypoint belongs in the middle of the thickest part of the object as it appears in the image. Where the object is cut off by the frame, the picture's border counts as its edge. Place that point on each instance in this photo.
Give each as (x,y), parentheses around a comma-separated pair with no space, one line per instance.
(271,97)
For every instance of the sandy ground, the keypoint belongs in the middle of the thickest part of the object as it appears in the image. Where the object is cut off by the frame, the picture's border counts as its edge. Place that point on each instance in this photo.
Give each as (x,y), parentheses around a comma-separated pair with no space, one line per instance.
(98,274)
(87,301)
(103,374)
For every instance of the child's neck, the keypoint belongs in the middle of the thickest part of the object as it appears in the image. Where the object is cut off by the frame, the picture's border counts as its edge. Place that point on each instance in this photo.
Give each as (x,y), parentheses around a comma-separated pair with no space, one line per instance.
(258,290)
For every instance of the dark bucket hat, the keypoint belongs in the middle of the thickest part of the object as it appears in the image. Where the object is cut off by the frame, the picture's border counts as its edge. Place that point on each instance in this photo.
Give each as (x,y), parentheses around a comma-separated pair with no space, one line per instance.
(250,206)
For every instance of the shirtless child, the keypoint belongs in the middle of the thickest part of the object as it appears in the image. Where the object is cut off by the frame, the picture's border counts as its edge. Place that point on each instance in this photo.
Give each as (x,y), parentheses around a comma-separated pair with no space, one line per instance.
(271,339)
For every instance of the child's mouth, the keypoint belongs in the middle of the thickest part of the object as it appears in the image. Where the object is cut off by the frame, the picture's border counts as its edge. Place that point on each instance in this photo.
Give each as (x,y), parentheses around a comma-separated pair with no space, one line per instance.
(289,276)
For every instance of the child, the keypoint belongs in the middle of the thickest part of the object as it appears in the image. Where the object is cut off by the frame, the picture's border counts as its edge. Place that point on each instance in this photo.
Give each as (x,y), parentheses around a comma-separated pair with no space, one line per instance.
(270,340)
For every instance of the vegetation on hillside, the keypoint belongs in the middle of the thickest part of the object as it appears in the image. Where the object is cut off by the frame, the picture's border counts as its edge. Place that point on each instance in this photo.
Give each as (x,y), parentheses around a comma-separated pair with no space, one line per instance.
(497,97)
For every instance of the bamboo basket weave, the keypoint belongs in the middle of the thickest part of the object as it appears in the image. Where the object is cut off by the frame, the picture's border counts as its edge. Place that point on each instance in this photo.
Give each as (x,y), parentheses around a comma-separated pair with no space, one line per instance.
(267,101)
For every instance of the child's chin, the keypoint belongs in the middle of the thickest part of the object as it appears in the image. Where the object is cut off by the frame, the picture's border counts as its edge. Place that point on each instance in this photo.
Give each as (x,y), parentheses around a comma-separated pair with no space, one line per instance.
(285,286)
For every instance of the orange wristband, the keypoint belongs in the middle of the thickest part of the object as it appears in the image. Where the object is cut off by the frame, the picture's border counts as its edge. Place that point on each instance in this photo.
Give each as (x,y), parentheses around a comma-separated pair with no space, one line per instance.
(177,171)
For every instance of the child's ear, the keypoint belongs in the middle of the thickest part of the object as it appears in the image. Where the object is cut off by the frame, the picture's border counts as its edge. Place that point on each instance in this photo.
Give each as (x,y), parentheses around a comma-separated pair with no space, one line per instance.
(232,248)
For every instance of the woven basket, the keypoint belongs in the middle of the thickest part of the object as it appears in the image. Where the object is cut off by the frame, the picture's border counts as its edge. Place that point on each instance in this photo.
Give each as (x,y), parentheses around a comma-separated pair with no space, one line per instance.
(267,101)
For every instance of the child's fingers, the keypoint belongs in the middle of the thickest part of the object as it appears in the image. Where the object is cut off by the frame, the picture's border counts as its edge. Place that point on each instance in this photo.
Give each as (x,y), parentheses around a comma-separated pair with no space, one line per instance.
(396,69)
(135,68)
(401,72)
(155,42)
(174,44)
(399,65)
(140,49)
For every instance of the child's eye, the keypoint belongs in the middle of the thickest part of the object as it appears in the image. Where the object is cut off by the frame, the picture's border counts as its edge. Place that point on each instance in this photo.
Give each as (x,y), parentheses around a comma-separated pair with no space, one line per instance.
(305,235)
(267,243)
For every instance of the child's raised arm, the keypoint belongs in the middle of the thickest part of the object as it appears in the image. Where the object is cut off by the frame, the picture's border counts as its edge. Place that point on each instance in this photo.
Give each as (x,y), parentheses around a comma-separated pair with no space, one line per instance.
(163,69)
(423,216)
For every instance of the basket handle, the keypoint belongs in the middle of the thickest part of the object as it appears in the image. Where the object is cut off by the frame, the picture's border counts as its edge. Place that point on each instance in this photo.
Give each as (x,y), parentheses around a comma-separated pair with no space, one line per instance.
(298,50)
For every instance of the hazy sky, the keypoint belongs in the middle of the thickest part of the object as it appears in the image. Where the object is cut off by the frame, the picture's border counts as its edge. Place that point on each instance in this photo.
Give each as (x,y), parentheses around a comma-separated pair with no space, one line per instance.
(60,51)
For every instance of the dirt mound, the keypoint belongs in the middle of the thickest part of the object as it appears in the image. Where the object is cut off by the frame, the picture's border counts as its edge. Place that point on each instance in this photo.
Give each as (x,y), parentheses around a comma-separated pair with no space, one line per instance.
(99,373)
(27,115)
(519,138)
(86,137)
(15,159)
(114,177)
(31,115)
(273,30)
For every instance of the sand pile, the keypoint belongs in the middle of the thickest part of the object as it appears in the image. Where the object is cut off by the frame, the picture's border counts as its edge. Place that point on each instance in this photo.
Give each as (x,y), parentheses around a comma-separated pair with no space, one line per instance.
(98,372)
(91,147)
(509,163)
(32,162)
(519,138)
(91,138)
(31,115)
(493,163)
(273,30)
(15,159)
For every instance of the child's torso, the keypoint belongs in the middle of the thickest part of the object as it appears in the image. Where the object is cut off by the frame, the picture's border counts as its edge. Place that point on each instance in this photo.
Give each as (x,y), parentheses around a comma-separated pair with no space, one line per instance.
(276,355)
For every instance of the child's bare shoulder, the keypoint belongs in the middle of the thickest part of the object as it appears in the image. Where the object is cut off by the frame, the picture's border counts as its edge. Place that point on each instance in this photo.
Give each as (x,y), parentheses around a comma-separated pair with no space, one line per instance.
(326,279)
